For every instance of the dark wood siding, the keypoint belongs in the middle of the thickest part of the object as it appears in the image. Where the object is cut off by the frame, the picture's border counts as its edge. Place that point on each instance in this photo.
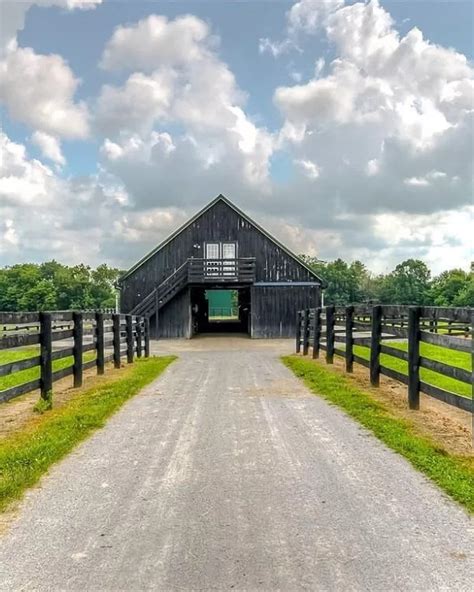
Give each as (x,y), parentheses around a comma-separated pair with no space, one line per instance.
(274,308)
(219,223)
(174,318)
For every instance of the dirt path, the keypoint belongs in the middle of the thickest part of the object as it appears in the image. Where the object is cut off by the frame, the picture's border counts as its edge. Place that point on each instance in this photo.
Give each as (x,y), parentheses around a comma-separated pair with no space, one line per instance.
(227,474)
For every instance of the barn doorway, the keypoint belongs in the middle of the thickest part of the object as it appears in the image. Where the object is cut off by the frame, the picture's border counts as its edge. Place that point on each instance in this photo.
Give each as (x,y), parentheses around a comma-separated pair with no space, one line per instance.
(223,305)
(220,310)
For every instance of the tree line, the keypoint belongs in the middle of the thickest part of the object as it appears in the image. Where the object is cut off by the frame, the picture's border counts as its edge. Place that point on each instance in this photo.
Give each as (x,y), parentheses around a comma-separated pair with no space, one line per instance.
(53,286)
(409,283)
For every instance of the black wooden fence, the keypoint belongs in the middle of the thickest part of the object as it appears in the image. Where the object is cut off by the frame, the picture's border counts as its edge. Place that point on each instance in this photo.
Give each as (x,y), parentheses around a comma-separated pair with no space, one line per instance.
(66,333)
(336,329)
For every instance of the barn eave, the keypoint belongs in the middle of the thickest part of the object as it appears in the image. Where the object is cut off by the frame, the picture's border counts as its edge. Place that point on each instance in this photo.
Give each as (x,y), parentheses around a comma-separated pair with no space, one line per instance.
(219,198)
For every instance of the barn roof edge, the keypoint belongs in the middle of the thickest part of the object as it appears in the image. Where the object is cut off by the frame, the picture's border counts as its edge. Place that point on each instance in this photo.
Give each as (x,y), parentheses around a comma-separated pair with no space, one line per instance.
(197,215)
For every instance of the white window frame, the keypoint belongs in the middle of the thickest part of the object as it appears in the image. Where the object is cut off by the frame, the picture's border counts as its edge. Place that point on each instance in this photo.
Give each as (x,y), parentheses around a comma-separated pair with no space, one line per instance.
(213,266)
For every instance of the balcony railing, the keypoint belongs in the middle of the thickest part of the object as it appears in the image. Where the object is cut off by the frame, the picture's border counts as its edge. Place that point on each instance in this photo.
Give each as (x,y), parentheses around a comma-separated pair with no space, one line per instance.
(240,270)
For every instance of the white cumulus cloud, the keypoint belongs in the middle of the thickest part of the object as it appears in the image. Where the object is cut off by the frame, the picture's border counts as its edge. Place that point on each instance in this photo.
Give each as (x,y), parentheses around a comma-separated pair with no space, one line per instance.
(178,78)
(156,41)
(49,146)
(39,91)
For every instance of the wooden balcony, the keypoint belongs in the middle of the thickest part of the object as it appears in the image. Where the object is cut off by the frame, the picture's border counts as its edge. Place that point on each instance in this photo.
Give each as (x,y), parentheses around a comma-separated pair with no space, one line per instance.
(221,271)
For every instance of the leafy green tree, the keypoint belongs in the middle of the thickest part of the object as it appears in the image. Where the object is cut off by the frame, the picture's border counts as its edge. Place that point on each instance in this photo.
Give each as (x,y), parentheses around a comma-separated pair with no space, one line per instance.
(345,283)
(53,286)
(104,279)
(42,296)
(465,297)
(17,280)
(408,283)
(446,287)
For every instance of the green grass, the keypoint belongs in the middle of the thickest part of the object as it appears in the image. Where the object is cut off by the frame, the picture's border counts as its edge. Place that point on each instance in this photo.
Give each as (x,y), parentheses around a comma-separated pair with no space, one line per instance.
(14,355)
(454,474)
(433,352)
(26,455)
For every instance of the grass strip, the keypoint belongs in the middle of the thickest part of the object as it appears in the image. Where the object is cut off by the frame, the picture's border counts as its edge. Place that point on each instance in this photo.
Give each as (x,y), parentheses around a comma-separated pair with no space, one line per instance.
(454,474)
(26,455)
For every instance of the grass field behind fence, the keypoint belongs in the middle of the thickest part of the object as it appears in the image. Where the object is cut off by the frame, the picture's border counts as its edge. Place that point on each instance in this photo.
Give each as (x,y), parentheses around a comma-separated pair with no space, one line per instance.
(433,352)
(17,354)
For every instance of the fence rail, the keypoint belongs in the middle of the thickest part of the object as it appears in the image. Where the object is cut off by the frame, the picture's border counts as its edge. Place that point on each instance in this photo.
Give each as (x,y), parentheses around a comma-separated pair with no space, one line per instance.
(66,333)
(336,330)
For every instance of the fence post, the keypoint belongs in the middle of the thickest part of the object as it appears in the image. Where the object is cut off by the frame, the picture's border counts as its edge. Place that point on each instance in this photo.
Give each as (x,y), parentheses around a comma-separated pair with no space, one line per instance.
(78,336)
(375,342)
(129,325)
(317,332)
(414,357)
(147,337)
(138,329)
(46,351)
(298,332)
(99,323)
(116,329)
(349,338)
(330,314)
(305,331)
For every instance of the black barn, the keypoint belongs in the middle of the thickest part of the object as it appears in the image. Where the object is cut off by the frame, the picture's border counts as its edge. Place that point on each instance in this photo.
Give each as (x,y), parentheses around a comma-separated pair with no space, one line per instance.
(220,248)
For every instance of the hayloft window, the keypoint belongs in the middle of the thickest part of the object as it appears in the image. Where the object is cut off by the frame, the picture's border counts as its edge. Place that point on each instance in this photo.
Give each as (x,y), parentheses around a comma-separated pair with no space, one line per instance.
(221,258)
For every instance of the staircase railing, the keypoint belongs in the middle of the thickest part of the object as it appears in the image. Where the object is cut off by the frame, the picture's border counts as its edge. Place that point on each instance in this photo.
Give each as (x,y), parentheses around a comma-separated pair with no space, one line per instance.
(221,270)
(179,277)
(196,271)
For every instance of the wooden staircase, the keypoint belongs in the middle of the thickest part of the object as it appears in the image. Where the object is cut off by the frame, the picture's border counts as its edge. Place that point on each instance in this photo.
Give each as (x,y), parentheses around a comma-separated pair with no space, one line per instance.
(163,293)
(197,272)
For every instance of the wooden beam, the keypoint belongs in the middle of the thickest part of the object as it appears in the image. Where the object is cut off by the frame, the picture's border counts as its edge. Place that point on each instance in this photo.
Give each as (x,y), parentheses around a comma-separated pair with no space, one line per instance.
(375,342)
(305,331)
(349,338)
(46,350)
(116,330)
(316,332)
(330,310)
(78,345)
(414,357)
(100,344)
(298,332)
(129,330)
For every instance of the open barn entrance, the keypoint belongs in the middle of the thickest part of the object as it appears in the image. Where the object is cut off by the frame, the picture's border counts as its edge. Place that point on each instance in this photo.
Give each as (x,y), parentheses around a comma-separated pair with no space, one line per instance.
(220,310)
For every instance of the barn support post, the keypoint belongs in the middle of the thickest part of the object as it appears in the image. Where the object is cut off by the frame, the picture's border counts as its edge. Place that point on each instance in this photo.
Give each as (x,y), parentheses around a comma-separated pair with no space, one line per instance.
(78,336)
(317,332)
(129,331)
(305,331)
(138,335)
(46,359)
(99,323)
(116,339)
(157,313)
(330,321)
(147,337)
(414,357)
(298,332)
(349,338)
(375,345)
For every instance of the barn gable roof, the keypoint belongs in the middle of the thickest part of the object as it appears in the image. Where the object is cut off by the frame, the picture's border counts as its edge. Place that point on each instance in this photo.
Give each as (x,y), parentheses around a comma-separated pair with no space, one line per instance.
(211,204)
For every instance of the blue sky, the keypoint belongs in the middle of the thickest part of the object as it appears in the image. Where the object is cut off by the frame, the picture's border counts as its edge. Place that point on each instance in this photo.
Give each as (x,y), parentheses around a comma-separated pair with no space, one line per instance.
(80,38)
(299,140)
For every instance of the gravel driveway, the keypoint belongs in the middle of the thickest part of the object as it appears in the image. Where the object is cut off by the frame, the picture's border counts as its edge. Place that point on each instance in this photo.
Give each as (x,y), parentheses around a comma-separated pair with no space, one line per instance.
(226,473)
